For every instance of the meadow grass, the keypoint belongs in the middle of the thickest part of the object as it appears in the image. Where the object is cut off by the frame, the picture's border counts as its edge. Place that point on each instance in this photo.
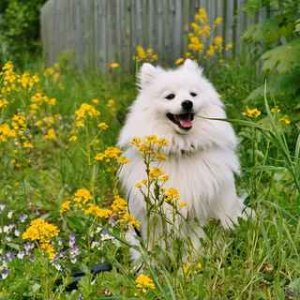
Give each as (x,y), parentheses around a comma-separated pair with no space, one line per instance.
(40,171)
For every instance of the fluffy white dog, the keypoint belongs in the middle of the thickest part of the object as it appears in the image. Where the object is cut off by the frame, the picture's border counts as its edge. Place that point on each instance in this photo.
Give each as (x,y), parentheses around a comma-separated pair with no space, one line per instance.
(180,105)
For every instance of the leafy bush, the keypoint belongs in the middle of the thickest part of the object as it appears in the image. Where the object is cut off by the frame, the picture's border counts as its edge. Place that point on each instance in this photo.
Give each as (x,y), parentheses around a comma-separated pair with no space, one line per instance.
(19,27)
(277,42)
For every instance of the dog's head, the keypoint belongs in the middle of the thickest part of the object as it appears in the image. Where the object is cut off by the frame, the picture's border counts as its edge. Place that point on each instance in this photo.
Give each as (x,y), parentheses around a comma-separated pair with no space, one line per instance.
(177,96)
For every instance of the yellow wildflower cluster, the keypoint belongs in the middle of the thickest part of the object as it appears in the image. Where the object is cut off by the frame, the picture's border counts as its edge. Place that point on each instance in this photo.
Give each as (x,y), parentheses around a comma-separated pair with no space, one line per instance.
(158,174)
(201,38)
(171,195)
(251,112)
(39,99)
(13,81)
(40,230)
(120,210)
(144,282)
(103,126)
(119,205)
(9,78)
(145,55)
(49,249)
(6,132)
(83,112)
(50,134)
(112,154)
(27,81)
(151,145)
(65,206)
(82,197)
(97,211)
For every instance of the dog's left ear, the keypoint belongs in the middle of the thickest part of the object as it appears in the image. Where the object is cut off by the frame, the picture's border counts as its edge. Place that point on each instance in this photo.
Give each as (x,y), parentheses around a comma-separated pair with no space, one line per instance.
(147,73)
(192,65)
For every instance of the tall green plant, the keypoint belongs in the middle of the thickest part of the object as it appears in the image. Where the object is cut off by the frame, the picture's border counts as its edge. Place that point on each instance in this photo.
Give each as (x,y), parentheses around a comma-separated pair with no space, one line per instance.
(277,43)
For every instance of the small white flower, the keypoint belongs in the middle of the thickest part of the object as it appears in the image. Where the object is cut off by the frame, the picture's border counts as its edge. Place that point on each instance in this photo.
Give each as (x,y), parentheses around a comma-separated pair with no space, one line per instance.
(21,254)
(10,214)
(95,244)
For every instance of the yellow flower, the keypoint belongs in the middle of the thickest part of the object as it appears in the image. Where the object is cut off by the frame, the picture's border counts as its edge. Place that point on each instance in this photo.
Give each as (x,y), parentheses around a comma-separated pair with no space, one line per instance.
(201,15)
(27,81)
(103,126)
(129,219)
(160,156)
(218,40)
(145,54)
(205,31)
(114,65)
(95,101)
(18,121)
(112,153)
(275,109)
(122,160)
(171,194)
(218,21)
(119,205)
(65,206)
(179,61)
(6,132)
(144,282)
(96,211)
(210,52)
(141,183)
(155,173)
(182,204)
(99,156)
(73,138)
(40,230)
(82,197)
(140,53)
(84,111)
(3,103)
(252,112)
(50,135)
(285,120)
(48,249)
(27,144)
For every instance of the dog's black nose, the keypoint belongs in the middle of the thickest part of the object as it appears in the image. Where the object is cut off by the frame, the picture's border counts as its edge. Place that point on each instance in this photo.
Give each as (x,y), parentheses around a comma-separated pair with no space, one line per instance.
(187,105)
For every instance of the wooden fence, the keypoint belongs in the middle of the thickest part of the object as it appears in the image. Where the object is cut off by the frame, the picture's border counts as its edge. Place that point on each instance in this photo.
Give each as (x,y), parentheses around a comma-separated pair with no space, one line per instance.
(102,31)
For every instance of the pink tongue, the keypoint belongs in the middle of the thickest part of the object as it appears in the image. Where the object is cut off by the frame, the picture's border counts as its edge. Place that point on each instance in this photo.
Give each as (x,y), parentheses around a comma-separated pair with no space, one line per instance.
(185,123)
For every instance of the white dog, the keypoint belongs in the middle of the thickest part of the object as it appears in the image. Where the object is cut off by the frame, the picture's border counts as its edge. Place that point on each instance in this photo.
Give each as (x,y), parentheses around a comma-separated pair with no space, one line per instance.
(182,106)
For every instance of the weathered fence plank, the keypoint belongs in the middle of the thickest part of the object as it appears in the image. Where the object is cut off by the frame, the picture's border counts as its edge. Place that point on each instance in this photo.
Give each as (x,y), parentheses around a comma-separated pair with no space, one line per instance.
(99,32)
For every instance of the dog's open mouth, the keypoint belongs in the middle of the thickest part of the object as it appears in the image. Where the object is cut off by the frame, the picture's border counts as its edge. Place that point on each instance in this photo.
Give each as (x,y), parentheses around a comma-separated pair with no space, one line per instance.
(183,121)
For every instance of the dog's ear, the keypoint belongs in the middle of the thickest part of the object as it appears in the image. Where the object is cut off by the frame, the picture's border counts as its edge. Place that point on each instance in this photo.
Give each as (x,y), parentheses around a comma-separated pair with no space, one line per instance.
(192,65)
(147,74)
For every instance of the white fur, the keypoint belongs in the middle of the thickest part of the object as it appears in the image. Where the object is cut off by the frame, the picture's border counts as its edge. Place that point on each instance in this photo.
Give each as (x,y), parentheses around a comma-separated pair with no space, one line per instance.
(201,162)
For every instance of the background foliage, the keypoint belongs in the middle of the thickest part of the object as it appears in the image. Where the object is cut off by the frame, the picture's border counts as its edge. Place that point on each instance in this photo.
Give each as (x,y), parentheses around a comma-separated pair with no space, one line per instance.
(19,29)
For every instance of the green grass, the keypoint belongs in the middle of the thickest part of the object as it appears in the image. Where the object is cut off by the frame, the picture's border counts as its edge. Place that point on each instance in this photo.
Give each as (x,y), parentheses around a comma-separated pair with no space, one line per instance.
(259,259)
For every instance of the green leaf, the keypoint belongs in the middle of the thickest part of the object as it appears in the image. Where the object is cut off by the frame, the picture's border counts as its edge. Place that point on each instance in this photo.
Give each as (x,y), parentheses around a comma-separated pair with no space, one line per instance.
(283,58)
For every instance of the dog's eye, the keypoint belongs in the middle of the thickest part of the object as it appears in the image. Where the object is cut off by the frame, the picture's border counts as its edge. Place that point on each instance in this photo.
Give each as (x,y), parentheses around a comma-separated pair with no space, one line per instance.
(170,96)
(193,94)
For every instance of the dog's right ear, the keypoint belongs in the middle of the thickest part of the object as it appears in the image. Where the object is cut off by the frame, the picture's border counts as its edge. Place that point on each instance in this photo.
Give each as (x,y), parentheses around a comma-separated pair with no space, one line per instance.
(146,74)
